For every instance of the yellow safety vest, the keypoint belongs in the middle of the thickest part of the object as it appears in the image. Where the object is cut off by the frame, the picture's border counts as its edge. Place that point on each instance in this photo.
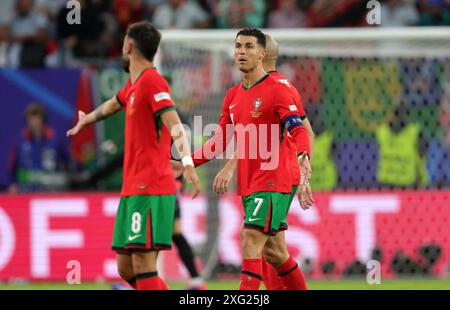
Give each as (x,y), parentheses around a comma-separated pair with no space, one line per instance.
(399,160)
(324,176)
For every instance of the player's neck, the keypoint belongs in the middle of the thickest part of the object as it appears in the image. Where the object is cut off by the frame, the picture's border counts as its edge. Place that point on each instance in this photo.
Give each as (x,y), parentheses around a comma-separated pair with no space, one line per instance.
(250,78)
(137,67)
(269,69)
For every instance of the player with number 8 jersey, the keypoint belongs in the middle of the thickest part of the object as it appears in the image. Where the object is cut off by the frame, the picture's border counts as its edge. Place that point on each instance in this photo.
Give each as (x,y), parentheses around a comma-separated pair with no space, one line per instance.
(145,217)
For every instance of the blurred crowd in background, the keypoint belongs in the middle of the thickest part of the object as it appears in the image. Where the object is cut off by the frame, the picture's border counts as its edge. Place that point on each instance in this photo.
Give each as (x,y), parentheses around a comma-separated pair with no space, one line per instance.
(35,33)
(407,100)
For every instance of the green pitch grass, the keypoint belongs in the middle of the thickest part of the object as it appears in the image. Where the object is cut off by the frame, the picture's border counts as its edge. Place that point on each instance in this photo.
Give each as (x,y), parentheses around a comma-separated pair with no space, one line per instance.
(416,284)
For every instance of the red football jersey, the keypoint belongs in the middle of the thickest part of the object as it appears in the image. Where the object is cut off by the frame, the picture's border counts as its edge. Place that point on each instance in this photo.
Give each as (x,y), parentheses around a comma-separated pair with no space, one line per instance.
(146,168)
(295,170)
(258,115)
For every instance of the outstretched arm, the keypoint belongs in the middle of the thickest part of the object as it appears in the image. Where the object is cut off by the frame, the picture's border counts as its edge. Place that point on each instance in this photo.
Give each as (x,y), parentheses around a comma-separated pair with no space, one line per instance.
(172,122)
(108,108)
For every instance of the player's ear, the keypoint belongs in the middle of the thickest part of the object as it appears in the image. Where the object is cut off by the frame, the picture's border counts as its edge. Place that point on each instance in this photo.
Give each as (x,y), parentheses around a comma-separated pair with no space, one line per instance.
(262,54)
(130,46)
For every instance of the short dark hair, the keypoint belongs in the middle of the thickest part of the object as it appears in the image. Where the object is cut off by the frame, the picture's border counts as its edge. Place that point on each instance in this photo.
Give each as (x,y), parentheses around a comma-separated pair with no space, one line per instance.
(146,37)
(253,32)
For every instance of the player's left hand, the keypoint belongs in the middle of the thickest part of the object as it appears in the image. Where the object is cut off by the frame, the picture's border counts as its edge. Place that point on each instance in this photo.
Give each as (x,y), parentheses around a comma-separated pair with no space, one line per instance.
(305,192)
(177,168)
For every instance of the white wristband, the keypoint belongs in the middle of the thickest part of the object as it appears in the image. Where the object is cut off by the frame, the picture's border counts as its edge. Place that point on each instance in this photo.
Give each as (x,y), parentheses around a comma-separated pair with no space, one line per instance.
(187,161)
(303,154)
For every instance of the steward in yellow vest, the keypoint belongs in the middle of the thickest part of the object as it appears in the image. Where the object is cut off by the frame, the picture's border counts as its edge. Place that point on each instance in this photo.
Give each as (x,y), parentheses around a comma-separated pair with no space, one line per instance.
(400,163)
(324,169)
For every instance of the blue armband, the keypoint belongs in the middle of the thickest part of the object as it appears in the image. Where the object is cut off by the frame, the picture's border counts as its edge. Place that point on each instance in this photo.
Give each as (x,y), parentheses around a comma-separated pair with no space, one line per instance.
(293,121)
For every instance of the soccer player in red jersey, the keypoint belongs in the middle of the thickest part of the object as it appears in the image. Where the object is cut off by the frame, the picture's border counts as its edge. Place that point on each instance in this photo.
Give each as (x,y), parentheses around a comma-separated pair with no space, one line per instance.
(144,221)
(259,110)
(275,250)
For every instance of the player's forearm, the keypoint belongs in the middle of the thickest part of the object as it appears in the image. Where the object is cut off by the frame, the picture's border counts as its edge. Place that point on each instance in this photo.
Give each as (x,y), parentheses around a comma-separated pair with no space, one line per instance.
(296,128)
(301,139)
(104,111)
(199,155)
(231,163)
(311,134)
(173,123)
(215,146)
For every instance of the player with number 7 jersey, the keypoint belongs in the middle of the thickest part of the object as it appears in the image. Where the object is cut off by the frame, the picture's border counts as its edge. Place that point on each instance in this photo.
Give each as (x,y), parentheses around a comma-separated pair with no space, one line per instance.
(260,112)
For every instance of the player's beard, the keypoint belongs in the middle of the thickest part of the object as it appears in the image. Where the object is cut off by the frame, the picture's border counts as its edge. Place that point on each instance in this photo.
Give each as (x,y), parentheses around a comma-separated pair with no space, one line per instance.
(126,64)
(247,69)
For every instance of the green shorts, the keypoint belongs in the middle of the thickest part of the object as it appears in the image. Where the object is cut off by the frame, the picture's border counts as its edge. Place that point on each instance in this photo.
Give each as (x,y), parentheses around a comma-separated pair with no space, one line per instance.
(265,211)
(144,223)
(284,223)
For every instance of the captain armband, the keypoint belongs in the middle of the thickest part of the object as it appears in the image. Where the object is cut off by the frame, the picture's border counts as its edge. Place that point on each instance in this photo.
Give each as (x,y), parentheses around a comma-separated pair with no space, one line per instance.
(293,121)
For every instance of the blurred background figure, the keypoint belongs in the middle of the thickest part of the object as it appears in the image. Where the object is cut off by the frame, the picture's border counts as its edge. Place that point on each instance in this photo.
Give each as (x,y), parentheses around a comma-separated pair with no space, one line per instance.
(38,160)
(180,14)
(325,177)
(401,151)
(92,38)
(240,13)
(434,13)
(29,36)
(398,13)
(6,17)
(288,15)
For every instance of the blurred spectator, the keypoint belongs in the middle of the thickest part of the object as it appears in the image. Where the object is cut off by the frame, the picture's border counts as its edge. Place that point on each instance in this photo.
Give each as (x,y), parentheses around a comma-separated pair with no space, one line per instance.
(4,34)
(6,17)
(398,13)
(325,175)
(91,38)
(128,12)
(287,16)
(434,13)
(240,13)
(29,35)
(180,14)
(150,7)
(38,161)
(337,13)
(7,12)
(50,8)
(402,150)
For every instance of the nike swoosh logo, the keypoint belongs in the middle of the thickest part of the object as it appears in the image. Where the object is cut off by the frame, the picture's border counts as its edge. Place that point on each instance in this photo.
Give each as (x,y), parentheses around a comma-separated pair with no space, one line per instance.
(132,238)
(252,220)
(232,106)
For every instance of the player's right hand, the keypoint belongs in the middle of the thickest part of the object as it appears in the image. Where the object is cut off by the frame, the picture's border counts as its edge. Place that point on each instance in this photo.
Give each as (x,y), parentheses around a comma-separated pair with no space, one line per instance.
(221,181)
(191,178)
(79,126)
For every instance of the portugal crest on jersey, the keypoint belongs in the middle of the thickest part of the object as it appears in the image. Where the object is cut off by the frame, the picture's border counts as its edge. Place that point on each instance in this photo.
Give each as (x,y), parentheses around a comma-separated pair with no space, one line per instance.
(257,103)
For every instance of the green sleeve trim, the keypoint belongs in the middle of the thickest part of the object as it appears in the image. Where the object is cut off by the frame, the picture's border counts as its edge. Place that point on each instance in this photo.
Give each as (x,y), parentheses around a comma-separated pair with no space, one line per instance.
(118,100)
(303,117)
(158,119)
(163,110)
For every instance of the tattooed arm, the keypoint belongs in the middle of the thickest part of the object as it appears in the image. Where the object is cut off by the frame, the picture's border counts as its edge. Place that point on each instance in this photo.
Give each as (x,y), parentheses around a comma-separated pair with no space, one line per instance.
(107,109)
